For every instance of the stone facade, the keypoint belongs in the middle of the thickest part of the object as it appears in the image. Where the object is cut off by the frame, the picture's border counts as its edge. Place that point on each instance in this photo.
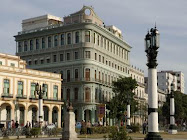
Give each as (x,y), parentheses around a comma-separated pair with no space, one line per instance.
(88,55)
(17,98)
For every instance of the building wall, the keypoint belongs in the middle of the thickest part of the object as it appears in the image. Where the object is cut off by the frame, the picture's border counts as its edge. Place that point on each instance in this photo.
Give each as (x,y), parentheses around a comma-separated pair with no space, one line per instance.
(16,99)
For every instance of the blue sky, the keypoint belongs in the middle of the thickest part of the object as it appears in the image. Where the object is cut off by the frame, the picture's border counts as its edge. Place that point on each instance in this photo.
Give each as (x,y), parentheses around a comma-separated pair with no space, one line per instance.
(132,17)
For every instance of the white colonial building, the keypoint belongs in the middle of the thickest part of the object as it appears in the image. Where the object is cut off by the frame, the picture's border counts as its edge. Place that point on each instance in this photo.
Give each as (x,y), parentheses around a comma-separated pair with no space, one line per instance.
(17,98)
(165,78)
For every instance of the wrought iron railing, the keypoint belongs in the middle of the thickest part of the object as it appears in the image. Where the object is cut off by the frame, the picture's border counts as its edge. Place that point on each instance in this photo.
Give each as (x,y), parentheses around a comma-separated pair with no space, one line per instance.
(6,95)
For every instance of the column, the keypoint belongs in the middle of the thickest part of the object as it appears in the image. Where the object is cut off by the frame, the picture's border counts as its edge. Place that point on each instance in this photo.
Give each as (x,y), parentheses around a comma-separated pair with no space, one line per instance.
(93,116)
(172,127)
(128,115)
(50,115)
(59,118)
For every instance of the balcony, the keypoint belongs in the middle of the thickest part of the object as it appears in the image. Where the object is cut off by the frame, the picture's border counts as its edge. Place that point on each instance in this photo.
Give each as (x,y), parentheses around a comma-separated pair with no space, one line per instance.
(53,99)
(33,97)
(21,96)
(102,82)
(6,95)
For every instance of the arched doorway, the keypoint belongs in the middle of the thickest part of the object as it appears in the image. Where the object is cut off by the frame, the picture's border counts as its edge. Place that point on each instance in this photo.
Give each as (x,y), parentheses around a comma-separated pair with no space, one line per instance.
(87,115)
(55,116)
(21,115)
(76,115)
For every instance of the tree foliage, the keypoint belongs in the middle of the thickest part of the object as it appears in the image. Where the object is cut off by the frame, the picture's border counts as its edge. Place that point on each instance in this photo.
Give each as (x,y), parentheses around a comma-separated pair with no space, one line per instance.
(123,89)
(180,107)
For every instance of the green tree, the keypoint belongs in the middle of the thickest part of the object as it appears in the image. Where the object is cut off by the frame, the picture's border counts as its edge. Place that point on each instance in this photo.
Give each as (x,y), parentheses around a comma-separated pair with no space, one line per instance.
(123,89)
(180,107)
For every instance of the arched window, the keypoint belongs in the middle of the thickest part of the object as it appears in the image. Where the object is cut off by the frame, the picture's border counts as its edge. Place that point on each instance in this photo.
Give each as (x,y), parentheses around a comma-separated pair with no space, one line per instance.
(96,97)
(69,38)
(76,37)
(55,40)
(55,92)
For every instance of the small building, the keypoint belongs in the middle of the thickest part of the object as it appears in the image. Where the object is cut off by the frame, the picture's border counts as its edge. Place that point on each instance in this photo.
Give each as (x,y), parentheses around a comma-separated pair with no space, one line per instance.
(17,88)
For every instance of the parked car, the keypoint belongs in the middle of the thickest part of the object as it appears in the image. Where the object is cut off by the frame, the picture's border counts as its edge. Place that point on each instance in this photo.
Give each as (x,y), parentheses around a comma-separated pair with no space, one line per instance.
(51,126)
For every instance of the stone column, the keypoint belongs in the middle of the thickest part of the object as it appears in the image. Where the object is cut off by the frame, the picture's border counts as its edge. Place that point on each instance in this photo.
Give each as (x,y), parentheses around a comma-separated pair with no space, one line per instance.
(59,118)
(128,115)
(93,116)
(172,127)
(50,115)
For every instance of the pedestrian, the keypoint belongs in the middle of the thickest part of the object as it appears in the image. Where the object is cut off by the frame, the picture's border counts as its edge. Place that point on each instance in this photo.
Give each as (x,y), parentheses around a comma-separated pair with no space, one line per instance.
(144,127)
(88,126)
(82,127)
(17,129)
(13,124)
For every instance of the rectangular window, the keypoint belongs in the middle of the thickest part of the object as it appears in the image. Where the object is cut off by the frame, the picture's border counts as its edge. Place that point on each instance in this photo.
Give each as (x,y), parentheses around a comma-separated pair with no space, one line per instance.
(6,86)
(69,38)
(68,75)
(76,55)
(20,88)
(99,58)
(42,61)
(25,46)
(55,40)
(95,56)
(35,62)
(54,58)
(87,54)
(45,86)
(103,59)
(62,57)
(76,37)
(49,42)
(62,39)
(19,46)
(76,93)
(68,56)
(87,36)
(76,74)
(48,60)
(37,44)
(43,43)
(33,86)
(31,45)
(0,62)
(12,64)
(55,92)
(98,40)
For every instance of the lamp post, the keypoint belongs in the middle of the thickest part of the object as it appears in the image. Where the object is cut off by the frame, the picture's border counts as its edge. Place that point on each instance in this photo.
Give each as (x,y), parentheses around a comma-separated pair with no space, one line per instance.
(40,92)
(172,127)
(151,46)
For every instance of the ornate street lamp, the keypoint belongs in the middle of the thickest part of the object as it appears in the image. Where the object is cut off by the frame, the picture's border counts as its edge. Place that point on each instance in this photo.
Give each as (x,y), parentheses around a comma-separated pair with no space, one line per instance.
(151,46)
(172,127)
(40,91)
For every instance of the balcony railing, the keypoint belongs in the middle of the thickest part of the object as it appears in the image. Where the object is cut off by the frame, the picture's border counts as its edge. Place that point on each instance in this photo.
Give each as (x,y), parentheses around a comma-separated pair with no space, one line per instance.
(6,95)
(21,96)
(33,97)
(87,80)
(53,99)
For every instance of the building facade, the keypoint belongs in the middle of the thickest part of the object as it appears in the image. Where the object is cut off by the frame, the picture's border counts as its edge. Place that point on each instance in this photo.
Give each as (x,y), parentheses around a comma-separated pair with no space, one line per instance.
(140,96)
(88,54)
(165,78)
(18,100)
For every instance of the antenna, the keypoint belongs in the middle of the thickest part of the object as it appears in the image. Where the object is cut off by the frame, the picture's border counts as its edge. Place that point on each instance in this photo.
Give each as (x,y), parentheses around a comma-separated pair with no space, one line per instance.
(155,24)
